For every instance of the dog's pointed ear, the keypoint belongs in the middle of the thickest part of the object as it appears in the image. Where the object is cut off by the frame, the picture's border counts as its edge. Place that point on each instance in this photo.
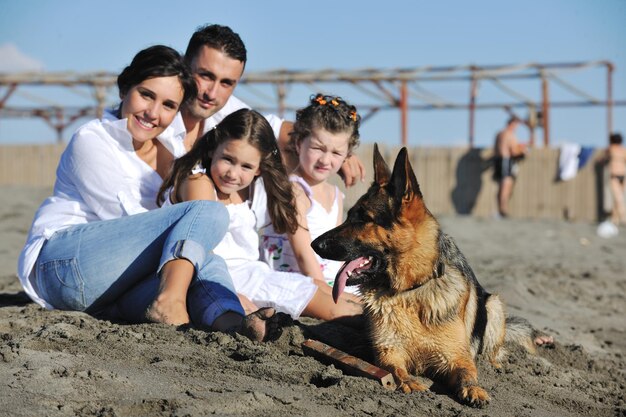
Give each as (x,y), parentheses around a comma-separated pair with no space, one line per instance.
(404,182)
(381,170)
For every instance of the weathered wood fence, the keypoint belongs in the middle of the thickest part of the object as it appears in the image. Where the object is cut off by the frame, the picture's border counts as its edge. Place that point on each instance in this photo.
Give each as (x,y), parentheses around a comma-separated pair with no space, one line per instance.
(452,180)
(459,181)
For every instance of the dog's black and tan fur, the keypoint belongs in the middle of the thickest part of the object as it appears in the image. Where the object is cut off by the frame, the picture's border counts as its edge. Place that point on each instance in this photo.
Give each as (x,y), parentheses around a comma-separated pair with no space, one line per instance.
(426,311)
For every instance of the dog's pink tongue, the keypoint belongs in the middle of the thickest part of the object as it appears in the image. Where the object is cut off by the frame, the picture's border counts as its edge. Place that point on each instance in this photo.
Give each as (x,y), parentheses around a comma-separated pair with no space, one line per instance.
(342,276)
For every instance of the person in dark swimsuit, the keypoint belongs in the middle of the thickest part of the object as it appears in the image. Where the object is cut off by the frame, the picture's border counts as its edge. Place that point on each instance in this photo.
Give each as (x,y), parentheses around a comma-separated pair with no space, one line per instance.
(616,160)
(507,153)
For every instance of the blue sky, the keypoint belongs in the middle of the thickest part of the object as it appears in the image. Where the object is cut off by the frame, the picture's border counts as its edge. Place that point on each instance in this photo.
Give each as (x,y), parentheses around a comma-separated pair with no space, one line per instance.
(73,35)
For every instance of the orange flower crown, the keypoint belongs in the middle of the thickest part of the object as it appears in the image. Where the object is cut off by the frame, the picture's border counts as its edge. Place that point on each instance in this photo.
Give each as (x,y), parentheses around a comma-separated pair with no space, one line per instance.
(323,100)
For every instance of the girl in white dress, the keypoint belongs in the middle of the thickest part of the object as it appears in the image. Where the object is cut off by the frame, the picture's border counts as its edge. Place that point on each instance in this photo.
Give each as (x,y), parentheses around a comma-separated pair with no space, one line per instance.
(222,166)
(324,135)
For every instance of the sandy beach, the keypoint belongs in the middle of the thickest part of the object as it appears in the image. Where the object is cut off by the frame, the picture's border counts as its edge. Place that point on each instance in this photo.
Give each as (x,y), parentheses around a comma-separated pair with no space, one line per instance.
(560,276)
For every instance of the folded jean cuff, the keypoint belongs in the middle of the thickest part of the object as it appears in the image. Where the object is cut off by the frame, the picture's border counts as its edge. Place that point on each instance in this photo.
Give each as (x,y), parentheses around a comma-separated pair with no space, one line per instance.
(216,309)
(184,249)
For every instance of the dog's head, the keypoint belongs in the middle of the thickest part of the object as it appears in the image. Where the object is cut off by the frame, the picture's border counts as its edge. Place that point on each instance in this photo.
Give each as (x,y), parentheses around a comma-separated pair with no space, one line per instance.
(389,239)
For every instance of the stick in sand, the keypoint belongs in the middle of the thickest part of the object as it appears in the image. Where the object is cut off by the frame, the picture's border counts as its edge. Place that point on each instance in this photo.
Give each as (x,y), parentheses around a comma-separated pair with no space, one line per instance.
(349,364)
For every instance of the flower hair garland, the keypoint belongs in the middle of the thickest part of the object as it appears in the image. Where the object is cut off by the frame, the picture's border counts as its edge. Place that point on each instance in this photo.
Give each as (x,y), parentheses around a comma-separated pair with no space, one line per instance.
(323,100)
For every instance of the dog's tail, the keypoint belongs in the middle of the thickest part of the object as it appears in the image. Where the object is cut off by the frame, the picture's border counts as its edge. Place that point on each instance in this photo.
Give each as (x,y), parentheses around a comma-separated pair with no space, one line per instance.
(520,331)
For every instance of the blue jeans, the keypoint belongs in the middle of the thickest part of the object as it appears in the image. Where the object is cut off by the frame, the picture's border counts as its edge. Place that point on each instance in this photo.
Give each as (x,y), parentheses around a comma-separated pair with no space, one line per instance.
(111,268)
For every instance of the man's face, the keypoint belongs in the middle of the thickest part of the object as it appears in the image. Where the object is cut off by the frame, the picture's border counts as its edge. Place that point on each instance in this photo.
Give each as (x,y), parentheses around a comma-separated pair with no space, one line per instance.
(216,75)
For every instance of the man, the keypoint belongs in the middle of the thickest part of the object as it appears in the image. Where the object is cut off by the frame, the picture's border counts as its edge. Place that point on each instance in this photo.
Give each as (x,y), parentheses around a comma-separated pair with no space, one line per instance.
(616,159)
(217,58)
(507,151)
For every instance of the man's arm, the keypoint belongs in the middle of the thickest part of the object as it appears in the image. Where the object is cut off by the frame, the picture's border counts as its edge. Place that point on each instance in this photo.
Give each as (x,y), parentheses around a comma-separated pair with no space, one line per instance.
(352,171)
(290,160)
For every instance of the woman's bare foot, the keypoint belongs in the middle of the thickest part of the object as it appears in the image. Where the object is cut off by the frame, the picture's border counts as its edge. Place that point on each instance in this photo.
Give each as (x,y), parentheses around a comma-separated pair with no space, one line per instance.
(172,312)
(170,304)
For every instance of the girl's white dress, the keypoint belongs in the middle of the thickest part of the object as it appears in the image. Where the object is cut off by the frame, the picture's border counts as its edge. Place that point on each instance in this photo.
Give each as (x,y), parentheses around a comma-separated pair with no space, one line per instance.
(287,292)
(275,248)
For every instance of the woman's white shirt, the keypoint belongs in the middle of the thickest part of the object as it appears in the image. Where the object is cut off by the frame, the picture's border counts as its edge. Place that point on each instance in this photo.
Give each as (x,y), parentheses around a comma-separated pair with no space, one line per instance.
(99,177)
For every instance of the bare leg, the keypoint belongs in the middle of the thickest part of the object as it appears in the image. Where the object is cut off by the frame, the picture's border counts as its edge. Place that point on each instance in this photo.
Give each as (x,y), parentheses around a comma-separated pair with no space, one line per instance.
(619,212)
(505,190)
(170,304)
(323,307)
(323,285)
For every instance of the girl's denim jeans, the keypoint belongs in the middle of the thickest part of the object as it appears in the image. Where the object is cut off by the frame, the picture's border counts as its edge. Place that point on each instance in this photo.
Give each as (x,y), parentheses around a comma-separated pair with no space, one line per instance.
(111,268)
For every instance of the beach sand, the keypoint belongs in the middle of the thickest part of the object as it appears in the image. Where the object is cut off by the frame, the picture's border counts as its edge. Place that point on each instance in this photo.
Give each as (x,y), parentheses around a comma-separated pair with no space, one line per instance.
(561,276)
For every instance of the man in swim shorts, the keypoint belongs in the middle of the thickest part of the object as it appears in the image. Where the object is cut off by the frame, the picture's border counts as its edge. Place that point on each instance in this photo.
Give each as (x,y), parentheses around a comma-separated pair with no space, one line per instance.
(507,152)
(616,159)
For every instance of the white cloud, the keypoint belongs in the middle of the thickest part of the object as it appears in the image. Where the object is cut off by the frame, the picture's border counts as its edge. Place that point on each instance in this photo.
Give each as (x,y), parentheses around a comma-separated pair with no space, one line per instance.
(13,60)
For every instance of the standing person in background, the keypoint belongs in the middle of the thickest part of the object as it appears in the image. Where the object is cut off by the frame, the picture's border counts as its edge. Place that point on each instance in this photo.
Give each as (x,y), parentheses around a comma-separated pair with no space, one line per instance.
(324,135)
(99,245)
(616,160)
(507,152)
(217,57)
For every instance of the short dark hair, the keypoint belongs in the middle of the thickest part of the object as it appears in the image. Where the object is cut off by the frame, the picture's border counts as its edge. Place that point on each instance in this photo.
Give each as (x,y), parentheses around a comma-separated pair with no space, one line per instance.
(615,139)
(217,37)
(157,61)
(513,119)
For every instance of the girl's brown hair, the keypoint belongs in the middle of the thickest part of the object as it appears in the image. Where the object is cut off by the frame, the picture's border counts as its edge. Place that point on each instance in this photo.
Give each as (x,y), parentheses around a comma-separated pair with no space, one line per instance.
(251,126)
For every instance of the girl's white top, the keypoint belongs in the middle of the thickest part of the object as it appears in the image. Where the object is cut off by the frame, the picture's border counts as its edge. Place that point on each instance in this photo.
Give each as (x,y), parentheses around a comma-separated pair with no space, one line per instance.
(276,249)
(99,177)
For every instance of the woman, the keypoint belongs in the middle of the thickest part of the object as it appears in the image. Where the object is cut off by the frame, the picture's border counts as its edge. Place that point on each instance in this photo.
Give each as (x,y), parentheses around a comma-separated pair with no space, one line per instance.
(99,245)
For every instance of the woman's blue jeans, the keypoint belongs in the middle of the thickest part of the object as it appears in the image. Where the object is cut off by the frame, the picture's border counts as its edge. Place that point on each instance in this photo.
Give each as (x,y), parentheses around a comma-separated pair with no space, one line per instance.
(111,268)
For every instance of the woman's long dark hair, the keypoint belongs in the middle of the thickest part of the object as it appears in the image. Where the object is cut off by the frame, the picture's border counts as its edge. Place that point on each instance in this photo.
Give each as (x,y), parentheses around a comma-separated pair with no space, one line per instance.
(157,61)
(252,127)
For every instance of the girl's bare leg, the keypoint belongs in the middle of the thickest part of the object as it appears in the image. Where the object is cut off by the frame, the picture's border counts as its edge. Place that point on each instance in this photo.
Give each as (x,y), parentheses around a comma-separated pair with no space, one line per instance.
(323,307)
(170,304)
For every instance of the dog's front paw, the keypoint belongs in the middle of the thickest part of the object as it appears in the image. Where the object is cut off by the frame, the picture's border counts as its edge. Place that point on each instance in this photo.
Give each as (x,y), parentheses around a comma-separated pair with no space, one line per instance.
(407,382)
(474,396)
(412,385)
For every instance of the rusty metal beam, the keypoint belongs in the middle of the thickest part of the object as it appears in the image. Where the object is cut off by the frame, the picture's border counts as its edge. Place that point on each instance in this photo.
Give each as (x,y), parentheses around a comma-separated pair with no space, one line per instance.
(545,111)
(472,110)
(609,100)
(9,93)
(404,116)
(380,79)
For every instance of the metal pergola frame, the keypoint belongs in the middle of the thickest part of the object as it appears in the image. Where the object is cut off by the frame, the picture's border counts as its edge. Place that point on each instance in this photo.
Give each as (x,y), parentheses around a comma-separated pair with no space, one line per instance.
(390,89)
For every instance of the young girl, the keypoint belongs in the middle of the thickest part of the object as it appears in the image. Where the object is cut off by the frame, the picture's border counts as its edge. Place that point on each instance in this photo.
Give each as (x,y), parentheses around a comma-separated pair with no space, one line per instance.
(324,134)
(222,166)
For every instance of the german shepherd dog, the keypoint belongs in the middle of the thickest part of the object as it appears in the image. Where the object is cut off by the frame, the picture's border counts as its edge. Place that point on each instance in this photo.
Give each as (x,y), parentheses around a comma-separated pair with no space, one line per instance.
(427,314)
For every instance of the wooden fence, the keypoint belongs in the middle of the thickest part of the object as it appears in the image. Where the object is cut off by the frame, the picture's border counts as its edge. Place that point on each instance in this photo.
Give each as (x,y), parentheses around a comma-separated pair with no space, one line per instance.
(452,180)
(459,181)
